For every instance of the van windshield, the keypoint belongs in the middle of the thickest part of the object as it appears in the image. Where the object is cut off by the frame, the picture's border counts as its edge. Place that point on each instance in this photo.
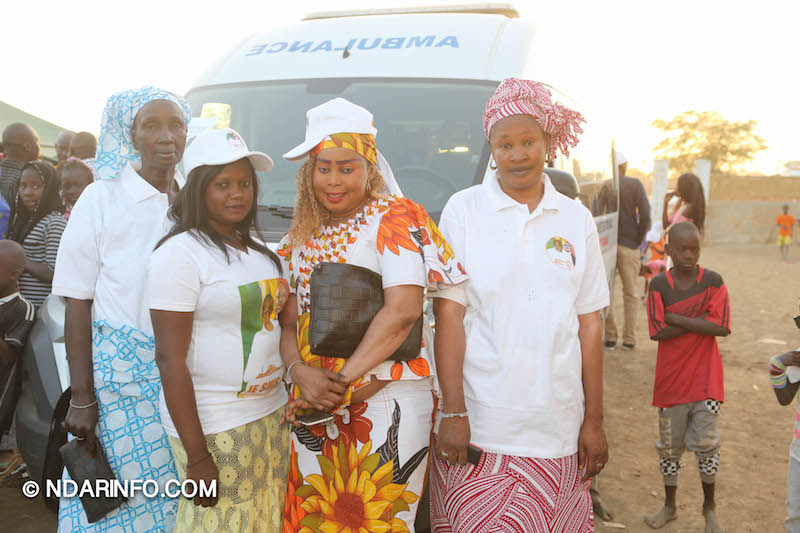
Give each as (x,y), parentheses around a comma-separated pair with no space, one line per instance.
(430,131)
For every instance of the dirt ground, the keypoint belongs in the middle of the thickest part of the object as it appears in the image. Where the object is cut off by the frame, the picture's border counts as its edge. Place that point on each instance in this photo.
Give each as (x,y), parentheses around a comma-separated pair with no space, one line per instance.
(755,430)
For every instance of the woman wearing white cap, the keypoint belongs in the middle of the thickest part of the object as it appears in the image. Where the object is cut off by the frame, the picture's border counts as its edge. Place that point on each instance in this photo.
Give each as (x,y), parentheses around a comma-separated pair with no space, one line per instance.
(364,469)
(215,292)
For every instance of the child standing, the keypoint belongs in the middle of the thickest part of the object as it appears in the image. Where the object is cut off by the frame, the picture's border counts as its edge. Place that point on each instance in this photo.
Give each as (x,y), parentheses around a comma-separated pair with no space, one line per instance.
(784,373)
(687,308)
(16,319)
(785,223)
(37,225)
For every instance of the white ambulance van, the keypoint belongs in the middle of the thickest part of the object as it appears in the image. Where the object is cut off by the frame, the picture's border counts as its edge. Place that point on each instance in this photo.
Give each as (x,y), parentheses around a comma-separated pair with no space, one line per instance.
(424,73)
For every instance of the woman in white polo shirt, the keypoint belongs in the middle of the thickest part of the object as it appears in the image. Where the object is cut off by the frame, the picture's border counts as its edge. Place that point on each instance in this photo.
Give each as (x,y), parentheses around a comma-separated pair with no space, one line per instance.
(101,269)
(215,293)
(525,333)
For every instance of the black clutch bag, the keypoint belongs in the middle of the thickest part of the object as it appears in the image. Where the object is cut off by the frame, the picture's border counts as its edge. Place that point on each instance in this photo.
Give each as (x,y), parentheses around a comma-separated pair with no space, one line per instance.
(344,300)
(82,469)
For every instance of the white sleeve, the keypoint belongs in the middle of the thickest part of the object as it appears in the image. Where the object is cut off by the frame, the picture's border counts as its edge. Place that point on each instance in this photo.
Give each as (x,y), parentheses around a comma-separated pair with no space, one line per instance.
(173,278)
(593,294)
(452,229)
(78,258)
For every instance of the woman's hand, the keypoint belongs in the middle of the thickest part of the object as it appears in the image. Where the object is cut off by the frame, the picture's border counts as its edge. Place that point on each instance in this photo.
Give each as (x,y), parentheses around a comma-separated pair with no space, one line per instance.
(322,389)
(290,413)
(205,471)
(82,423)
(453,439)
(592,449)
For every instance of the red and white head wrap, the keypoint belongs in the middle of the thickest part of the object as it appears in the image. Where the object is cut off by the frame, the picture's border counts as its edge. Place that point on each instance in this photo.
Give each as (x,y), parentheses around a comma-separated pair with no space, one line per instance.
(524,97)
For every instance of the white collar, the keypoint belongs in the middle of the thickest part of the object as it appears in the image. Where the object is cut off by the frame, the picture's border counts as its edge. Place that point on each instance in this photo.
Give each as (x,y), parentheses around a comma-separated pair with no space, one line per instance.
(10,297)
(139,188)
(500,200)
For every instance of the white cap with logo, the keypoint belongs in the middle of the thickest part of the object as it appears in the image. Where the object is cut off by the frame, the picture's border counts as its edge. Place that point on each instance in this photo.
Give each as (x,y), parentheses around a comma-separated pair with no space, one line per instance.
(220,147)
(340,116)
(334,116)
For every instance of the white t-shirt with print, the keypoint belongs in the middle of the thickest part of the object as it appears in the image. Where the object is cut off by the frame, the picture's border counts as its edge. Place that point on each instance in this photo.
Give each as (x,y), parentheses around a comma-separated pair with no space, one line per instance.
(531,275)
(234,356)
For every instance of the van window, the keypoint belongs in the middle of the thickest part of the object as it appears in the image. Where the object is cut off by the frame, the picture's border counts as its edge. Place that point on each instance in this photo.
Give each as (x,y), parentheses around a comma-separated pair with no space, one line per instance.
(430,131)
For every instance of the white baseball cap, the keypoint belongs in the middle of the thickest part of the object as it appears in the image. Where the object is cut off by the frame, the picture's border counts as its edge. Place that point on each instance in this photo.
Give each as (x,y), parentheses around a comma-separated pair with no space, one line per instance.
(220,147)
(621,159)
(334,116)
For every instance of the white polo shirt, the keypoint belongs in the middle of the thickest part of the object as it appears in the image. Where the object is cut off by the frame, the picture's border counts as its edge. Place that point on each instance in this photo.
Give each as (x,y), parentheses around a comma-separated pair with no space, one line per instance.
(531,275)
(105,249)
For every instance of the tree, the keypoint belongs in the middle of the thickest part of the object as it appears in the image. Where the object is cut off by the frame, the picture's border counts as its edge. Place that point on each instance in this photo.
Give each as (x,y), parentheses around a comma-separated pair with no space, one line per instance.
(708,135)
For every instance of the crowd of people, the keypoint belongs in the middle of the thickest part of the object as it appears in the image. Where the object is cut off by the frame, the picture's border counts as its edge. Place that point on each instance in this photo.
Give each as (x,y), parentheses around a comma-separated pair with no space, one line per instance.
(196,352)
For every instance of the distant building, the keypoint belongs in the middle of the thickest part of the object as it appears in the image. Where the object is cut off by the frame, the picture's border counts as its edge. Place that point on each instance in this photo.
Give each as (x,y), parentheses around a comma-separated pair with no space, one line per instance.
(791,169)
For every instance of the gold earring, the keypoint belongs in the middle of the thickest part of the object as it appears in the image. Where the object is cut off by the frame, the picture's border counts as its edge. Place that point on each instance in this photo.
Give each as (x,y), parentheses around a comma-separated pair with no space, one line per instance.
(492,166)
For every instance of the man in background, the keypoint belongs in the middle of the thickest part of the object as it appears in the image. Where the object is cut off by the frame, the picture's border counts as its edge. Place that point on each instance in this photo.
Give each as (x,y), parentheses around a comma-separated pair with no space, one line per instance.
(20,145)
(634,222)
(84,147)
(62,145)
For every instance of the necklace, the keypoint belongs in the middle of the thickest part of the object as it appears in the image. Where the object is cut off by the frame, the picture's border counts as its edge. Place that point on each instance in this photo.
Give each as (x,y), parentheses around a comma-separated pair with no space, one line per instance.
(336,220)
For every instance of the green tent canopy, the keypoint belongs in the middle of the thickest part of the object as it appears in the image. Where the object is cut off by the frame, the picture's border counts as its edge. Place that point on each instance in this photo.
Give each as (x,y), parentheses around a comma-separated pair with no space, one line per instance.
(47,130)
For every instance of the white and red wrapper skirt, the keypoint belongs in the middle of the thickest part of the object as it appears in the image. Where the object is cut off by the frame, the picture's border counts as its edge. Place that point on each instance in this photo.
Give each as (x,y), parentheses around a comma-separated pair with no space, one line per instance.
(506,494)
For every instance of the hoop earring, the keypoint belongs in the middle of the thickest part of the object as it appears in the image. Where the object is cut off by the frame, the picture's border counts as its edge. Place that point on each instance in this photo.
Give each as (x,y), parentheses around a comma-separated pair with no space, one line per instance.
(492,166)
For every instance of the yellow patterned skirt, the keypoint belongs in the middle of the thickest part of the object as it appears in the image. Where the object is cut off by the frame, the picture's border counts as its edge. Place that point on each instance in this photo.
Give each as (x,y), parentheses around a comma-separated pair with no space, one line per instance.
(253,463)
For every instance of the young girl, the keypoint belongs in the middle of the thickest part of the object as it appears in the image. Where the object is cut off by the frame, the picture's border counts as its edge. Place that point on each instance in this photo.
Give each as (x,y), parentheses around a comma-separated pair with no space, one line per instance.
(691,206)
(215,293)
(37,225)
(75,177)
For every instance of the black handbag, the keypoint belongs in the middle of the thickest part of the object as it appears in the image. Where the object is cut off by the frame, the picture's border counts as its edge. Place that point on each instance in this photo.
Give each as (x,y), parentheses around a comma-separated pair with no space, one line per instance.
(344,300)
(83,469)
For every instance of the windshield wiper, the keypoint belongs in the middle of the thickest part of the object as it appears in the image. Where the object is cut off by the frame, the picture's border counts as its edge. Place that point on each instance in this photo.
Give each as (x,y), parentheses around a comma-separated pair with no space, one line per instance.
(281,211)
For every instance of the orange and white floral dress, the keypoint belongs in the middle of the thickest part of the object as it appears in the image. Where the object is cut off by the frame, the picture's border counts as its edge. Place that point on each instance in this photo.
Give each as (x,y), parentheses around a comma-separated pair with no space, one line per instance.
(365,471)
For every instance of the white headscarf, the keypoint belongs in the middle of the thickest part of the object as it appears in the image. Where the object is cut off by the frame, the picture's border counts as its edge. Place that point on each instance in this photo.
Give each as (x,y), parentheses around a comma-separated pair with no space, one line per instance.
(115,146)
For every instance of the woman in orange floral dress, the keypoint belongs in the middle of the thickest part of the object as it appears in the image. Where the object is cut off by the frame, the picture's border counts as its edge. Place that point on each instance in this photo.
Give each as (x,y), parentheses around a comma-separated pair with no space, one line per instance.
(365,470)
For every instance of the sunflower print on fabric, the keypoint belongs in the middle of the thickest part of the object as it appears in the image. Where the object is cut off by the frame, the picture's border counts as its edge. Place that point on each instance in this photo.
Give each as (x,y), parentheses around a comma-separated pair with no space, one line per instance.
(355,490)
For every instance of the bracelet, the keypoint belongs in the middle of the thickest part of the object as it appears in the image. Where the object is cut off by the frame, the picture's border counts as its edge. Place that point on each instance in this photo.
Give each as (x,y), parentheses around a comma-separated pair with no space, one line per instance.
(190,465)
(288,379)
(776,364)
(463,414)
(777,380)
(82,406)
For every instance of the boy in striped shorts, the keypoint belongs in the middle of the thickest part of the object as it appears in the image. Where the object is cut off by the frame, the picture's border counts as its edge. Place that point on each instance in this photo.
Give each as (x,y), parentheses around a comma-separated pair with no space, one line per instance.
(687,309)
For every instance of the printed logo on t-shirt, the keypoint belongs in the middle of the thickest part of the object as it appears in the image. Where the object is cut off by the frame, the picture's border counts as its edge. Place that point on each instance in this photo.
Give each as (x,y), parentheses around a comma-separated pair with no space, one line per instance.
(561,252)
(262,301)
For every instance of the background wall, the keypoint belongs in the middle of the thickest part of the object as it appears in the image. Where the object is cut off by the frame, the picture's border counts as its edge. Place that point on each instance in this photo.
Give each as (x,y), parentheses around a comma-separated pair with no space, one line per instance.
(744,208)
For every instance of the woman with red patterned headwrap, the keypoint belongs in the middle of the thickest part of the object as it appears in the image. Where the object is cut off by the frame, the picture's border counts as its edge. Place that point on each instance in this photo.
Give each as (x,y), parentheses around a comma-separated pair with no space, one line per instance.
(518,346)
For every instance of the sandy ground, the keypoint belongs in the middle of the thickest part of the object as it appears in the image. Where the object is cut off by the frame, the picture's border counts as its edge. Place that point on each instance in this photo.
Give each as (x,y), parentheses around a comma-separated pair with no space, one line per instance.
(755,430)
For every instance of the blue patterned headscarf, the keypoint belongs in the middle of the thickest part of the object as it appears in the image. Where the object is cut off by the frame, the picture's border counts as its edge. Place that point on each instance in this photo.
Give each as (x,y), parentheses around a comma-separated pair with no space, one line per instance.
(115,147)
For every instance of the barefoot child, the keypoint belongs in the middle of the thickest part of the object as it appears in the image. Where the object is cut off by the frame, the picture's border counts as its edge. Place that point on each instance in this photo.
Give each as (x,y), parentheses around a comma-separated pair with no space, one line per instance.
(784,373)
(687,308)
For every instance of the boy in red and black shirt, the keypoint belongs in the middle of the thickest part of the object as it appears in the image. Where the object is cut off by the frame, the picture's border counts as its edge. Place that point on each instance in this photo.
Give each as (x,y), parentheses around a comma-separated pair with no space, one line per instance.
(687,309)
